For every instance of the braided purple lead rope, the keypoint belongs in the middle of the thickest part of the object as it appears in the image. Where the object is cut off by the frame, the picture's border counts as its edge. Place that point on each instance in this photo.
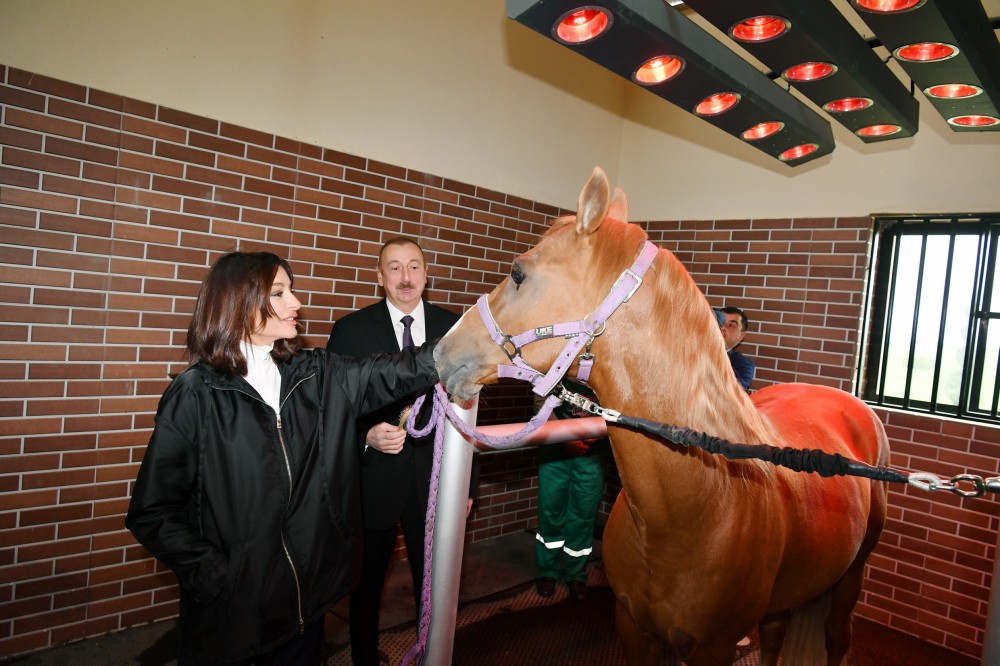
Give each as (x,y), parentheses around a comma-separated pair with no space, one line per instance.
(415,655)
(501,442)
(442,408)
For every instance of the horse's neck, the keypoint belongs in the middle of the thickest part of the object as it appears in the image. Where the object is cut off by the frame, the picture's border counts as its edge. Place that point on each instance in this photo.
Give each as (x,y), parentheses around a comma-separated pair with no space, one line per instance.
(667,361)
(671,488)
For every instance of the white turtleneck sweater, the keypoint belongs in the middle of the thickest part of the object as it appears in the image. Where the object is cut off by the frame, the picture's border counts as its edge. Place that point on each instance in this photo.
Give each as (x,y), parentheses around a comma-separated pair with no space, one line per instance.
(262,373)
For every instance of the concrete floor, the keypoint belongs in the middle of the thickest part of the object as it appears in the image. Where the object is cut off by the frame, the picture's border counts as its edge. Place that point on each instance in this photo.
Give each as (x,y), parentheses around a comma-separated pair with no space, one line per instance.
(488,567)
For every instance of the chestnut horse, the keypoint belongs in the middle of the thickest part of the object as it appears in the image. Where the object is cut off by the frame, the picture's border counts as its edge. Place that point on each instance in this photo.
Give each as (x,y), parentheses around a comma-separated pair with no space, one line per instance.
(699,550)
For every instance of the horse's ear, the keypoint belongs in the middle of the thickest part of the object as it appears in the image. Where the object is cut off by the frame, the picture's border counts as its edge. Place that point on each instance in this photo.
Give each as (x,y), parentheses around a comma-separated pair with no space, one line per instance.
(618,209)
(593,204)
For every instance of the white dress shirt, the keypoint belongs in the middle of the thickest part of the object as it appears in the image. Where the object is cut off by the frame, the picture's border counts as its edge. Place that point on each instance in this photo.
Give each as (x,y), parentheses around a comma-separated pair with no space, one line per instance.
(418,329)
(262,373)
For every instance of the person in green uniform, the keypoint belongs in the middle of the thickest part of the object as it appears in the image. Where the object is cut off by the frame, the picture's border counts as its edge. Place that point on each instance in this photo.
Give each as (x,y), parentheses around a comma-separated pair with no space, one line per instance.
(570,487)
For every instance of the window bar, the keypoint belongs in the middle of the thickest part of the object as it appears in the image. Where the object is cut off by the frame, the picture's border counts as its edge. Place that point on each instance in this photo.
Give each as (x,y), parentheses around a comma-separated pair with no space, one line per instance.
(916,320)
(862,367)
(988,292)
(978,325)
(939,352)
(996,378)
(890,296)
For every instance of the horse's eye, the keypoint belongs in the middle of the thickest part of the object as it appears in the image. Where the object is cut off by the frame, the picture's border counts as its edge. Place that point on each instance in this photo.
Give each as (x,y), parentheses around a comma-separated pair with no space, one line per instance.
(516,275)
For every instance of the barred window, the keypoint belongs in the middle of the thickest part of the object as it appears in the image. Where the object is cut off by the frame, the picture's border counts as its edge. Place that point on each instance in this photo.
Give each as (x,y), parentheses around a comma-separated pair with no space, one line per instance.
(932,339)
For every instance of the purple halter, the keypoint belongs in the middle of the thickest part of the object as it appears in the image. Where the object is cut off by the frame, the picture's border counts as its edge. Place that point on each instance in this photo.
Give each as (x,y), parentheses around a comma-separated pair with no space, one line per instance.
(579,333)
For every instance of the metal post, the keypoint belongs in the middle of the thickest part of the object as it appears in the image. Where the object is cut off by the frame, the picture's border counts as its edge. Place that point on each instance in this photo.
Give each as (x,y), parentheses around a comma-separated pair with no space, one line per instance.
(449,538)
(991,642)
(452,500)
(551,432)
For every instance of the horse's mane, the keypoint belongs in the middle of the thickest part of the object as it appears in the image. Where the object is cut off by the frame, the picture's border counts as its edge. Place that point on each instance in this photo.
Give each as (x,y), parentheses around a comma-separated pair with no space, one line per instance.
(702,388)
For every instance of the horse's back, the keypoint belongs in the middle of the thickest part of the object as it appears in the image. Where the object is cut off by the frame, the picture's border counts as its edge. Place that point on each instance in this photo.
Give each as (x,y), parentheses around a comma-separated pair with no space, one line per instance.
(810,416)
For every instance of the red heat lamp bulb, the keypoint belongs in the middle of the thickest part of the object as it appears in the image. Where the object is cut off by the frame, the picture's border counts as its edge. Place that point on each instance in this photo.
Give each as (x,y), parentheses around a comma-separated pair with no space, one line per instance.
(762,130)
(878,130)
(926,52)
(716,104)
(887,6)
(974,121)
(798,152)
(759,28)
(809,71)
(953,91)
(847,104)
(657,70)
(581,25)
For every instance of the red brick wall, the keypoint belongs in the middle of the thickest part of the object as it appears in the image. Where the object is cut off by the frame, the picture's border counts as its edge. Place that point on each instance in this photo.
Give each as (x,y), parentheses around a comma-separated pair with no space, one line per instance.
(112,208)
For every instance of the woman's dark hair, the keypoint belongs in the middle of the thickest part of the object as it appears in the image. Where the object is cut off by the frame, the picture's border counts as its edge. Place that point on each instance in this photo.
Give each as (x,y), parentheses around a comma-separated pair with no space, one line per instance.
(233,300)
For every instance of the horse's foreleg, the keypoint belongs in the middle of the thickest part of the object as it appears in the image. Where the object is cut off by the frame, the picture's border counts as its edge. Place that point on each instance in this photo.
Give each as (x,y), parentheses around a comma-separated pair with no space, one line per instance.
(771,633)
(641,647)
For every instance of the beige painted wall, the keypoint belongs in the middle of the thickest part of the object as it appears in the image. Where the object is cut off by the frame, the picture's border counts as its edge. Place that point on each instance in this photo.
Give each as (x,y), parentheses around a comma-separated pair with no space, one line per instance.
(458,90)
(671,155)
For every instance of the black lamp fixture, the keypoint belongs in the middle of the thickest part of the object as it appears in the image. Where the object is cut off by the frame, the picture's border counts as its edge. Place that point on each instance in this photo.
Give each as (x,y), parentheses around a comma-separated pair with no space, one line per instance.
(660,49)
(814,48)
(949,49)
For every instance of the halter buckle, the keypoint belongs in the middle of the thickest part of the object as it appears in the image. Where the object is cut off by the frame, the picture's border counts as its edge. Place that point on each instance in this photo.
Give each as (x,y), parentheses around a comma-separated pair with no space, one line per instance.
(628,272)
(503,345)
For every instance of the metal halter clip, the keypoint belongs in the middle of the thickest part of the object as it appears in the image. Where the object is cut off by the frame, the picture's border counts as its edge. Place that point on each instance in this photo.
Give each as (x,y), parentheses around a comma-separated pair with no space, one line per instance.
(586,405)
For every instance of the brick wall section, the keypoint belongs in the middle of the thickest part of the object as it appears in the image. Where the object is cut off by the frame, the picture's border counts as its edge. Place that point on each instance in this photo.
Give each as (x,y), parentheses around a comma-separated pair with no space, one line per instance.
(800,281)
(111,209)
(931,574)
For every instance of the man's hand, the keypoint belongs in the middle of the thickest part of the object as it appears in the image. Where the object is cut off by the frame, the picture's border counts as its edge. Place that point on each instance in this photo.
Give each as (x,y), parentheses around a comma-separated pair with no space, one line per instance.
(578,447)
(386,438)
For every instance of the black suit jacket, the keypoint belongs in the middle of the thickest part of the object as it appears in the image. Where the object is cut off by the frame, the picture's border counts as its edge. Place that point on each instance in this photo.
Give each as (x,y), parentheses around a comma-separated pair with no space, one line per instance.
(386,479)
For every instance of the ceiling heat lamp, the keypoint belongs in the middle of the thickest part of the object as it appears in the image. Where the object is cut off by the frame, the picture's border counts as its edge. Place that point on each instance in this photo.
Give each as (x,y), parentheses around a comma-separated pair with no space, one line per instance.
(949,49)
(814,48)
(655,46)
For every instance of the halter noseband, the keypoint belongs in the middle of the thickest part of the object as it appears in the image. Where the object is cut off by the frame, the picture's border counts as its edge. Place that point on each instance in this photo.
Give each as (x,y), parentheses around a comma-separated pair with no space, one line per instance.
(578,333)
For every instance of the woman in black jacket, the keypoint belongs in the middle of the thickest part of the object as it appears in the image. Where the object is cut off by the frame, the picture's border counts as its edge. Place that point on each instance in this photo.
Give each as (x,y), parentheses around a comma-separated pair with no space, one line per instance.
(248,489)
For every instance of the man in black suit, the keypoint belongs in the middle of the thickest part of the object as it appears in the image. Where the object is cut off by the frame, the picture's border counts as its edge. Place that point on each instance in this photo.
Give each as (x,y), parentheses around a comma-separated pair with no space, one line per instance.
(395,468)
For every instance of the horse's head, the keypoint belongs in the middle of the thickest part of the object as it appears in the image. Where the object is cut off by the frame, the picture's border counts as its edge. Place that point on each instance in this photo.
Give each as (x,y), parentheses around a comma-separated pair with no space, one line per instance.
(562,279)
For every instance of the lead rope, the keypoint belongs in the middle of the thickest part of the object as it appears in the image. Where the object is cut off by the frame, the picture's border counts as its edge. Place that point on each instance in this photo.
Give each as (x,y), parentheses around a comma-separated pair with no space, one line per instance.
(799,460)
(442,408)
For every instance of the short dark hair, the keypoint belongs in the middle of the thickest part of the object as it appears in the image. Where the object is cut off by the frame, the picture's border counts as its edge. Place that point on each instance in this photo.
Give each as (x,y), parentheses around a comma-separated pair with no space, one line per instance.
(233,299)
(744,321)
(399,240)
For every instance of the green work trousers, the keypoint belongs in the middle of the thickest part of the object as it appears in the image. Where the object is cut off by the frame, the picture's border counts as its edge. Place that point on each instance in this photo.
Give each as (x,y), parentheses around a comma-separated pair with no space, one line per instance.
(569,493)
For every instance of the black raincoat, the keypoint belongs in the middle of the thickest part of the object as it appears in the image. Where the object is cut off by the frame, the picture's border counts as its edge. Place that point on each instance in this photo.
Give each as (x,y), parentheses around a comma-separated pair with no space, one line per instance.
(258,513)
